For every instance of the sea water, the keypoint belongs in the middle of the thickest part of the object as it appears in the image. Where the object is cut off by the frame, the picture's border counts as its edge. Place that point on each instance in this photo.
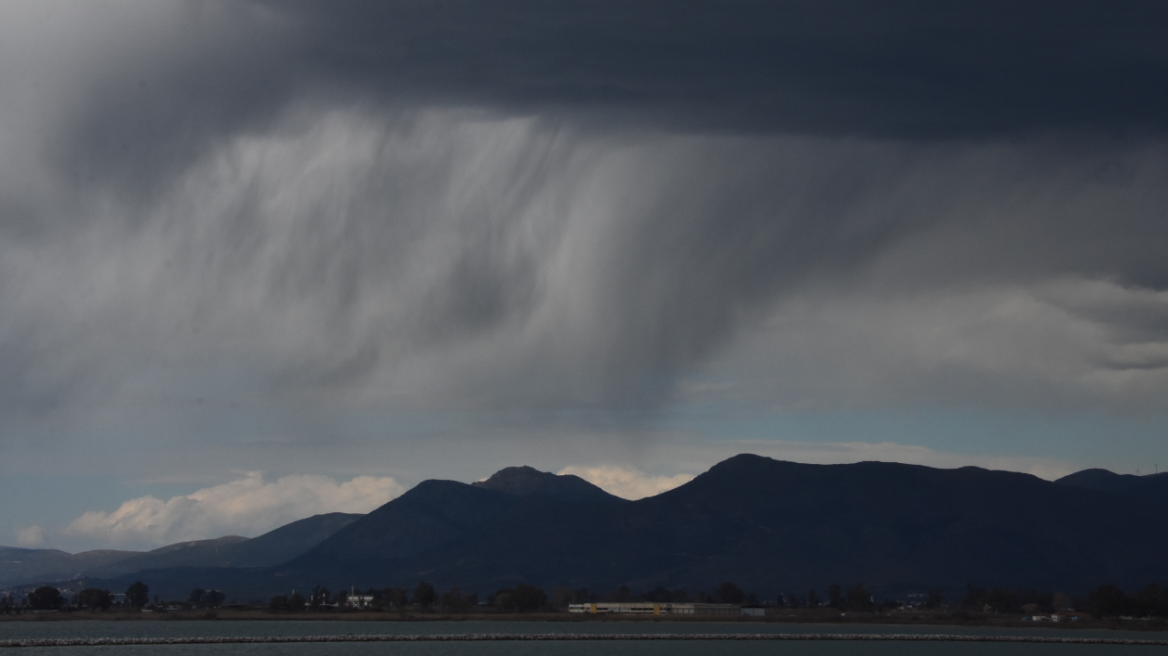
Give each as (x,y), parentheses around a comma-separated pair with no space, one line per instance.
(173,629)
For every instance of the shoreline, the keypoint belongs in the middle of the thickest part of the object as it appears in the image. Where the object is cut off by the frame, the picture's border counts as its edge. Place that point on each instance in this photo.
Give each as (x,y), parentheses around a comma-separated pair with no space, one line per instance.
(578,637)
(937,620)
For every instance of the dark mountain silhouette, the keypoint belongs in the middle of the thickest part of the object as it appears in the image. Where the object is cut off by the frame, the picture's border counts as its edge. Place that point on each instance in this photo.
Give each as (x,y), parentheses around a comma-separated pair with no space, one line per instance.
(770,526)
(280,545)
(527,481)
(1152,487)
(431,514)
(288,541)
(437,513)
(778,526)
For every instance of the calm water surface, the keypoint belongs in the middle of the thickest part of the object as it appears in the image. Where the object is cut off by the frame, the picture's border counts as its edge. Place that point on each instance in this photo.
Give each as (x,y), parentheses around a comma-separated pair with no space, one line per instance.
(121,629)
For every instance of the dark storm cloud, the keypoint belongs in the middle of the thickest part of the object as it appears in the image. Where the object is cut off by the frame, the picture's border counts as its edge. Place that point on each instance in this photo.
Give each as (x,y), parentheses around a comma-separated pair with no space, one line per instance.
(902,69)
(272,168)
(876,69)
(156,95)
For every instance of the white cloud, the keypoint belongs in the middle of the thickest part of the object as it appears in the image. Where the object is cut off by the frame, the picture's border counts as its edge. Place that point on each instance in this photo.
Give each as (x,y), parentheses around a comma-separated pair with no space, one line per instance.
(30,536)
(248,506)
(627,482)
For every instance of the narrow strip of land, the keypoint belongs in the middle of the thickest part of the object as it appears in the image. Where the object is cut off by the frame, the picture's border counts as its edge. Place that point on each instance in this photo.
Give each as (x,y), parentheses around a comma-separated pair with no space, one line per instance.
(560,637)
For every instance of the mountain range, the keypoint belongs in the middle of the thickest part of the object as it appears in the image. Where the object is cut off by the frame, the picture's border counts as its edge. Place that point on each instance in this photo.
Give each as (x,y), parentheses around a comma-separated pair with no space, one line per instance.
(769,526)
(21,566)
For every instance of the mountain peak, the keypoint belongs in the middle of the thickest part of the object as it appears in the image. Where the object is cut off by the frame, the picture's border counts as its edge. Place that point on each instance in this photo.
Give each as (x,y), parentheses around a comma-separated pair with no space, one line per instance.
(1149,487)
(527,481)
(1090,477)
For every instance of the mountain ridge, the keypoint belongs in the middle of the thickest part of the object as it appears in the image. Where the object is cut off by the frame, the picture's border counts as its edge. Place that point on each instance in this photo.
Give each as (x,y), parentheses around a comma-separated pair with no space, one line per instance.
(1150,487)
(771,526)
(527,481)
(271,548)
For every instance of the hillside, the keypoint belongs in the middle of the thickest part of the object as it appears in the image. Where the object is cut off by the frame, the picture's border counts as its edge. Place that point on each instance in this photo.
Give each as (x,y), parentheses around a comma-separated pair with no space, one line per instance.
(1152,487)
(776,526)
(20,566)
(768,525)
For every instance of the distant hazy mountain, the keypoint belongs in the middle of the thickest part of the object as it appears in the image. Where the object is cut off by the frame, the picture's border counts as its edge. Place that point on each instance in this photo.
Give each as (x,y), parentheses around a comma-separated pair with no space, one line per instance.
(19,566)
(288,541)
(1152,487)
(767,525)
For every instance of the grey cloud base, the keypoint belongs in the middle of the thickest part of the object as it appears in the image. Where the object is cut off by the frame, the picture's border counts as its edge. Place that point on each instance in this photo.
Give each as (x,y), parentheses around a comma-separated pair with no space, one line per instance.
(272,222)
(440,258)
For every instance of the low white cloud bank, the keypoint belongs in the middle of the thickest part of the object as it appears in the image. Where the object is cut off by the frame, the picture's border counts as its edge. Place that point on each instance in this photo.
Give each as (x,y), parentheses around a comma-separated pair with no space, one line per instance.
(249,506)
(627,482)
(30,536)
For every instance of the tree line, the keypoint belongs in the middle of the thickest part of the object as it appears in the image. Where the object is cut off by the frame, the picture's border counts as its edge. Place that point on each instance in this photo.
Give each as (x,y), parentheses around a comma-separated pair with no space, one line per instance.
(855,597)
(519,598)
(47,597)
(1105,601)
(424,596)
(524,598)
(1111,601)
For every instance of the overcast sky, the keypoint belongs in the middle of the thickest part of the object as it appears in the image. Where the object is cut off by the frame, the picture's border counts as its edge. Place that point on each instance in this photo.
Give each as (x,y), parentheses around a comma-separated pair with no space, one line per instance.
(260,260)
